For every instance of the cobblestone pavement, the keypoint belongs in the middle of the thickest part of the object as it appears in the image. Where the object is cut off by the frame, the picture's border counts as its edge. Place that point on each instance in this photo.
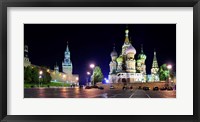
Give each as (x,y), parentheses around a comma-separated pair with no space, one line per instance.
(95,93)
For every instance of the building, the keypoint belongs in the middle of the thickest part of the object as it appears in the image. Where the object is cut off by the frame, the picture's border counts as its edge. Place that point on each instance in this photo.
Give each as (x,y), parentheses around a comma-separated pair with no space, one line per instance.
(65,76)
(67,64)
(154,77)
(26,58)
(125,68)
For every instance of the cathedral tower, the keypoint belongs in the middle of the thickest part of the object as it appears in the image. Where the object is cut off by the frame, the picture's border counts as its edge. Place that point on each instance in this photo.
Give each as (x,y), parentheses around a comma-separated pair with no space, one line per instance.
(126,42)
(113,63)
(141,67)
(26,58)
(67,64)
(155,68)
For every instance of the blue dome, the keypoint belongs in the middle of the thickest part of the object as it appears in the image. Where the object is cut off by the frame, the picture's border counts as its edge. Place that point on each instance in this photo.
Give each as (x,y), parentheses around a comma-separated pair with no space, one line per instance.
(113,53)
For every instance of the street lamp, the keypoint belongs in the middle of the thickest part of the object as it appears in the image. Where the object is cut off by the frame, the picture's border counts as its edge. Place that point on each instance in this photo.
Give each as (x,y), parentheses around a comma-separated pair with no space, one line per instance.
(88,73)
(40,72)
(169,67)
(92,67)
(40,76)
(77,80)
(87,78)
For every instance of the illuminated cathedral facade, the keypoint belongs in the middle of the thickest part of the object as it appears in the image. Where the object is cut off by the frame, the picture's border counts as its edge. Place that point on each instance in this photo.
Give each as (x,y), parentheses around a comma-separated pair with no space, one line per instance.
(126,68)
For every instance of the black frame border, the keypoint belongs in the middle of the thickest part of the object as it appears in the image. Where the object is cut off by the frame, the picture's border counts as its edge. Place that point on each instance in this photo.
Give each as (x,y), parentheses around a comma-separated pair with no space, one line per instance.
(99,3)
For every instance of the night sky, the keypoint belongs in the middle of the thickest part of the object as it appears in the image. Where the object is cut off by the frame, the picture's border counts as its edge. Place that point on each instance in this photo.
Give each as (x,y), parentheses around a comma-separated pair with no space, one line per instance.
(93,43)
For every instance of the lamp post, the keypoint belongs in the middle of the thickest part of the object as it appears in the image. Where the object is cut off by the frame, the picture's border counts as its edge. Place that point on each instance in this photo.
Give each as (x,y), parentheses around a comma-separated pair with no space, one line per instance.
(63,79)
(40,76)
(77,81)
(87,79)
(169,67)
(92,67)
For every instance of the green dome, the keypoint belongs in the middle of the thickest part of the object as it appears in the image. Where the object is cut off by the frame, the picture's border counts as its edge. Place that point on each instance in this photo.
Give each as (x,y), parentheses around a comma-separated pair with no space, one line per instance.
(120,59)
(139,61)
(142,56)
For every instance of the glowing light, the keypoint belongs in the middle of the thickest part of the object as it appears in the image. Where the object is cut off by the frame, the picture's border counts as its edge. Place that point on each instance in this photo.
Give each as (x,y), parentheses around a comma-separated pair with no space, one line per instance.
(48,70)
(40,72)
(169,66)
(77,78)
(106,80)
(92,66)
(88,73)
(64,76)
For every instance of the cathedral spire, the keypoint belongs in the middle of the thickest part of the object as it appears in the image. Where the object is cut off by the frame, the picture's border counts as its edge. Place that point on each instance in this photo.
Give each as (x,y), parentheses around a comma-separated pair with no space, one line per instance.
(126,35)
(113,53)
(114,47)
(154,58)
(142,48)
(67,49)
(155,63)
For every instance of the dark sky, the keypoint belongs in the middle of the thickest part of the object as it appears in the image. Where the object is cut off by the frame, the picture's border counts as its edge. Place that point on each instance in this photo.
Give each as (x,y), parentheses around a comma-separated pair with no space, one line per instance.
(93,43)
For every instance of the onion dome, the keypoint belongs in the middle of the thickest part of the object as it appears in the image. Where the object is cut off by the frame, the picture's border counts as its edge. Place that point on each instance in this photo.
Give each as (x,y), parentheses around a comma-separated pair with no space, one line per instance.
(142,55)
(139,61)
(113,53)
(120,59)
(130,49)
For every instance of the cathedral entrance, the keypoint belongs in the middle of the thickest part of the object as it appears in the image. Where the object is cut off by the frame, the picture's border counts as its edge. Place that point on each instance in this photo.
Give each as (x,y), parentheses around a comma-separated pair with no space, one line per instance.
(124,81)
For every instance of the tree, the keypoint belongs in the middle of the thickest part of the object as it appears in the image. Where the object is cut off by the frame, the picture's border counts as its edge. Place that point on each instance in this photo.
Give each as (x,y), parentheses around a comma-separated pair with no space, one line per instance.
(27,74)
(46,77)
(97,75)
(163,72)
(35,75)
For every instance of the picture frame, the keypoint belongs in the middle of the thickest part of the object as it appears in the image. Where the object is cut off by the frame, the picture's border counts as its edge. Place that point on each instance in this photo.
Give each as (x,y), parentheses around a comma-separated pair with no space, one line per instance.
(99,3)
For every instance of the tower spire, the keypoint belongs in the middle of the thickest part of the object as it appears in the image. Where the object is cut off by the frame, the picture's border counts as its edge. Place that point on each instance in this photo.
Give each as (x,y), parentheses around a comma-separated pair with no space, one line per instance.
(126,31)
(155,63)
(126,35)
(141,48)
(67,47)
(154,58)
(113,46)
